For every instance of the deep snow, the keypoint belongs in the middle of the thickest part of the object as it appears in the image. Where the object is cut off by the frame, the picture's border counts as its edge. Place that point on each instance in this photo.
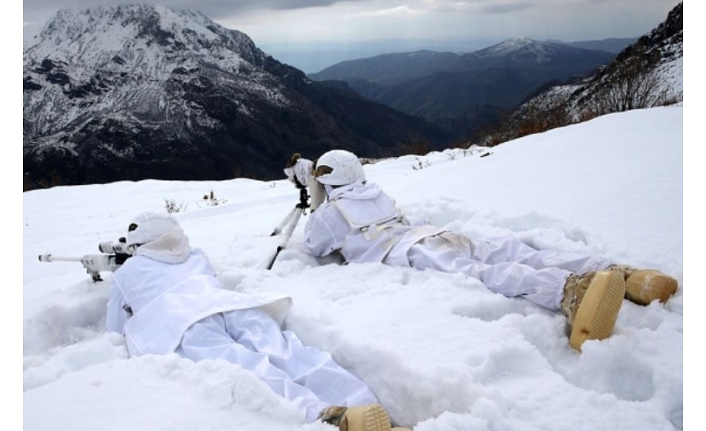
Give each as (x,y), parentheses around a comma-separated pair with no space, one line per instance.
(441,351)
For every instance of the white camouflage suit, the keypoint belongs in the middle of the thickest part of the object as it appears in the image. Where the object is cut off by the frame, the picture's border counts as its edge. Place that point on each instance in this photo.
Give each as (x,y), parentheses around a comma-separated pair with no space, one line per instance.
(362,222)
(166,298)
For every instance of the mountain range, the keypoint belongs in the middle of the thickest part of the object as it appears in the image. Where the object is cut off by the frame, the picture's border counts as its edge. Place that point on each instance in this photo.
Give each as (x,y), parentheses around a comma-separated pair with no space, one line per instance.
(463,91)
(133,92)
(645,74)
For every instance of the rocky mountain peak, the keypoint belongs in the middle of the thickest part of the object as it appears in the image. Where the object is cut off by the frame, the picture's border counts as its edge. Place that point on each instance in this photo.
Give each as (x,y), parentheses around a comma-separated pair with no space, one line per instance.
(134,37)
(525,50)
(133,92)
(510,45)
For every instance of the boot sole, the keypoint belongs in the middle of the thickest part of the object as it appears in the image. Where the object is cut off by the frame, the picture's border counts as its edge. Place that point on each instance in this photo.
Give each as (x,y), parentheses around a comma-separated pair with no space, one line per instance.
(596,316)
(367,418)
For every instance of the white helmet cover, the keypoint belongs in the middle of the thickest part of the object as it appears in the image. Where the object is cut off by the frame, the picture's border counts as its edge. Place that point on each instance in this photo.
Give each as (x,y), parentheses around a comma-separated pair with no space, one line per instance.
(147,227)
(338,168)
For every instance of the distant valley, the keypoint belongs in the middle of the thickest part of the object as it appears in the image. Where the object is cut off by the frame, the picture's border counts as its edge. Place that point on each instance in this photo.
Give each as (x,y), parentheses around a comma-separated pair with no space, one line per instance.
(462,92)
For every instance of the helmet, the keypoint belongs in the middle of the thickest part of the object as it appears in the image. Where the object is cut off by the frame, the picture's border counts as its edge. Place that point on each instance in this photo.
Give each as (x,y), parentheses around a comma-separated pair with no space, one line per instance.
(147,227)
(338,168)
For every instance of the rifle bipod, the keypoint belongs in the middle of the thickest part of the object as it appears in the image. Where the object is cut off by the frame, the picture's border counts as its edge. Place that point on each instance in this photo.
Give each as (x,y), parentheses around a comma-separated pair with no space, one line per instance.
(289,223)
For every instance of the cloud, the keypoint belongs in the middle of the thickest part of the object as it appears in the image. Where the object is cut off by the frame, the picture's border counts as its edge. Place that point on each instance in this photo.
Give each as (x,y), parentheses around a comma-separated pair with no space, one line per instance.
(395,11)
(509,7)
(289,21)
(211,8)
(37,12)
(303,4)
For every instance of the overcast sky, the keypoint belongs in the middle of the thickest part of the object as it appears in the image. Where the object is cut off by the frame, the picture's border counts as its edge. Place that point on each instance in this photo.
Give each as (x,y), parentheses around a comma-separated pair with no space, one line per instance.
(280,21)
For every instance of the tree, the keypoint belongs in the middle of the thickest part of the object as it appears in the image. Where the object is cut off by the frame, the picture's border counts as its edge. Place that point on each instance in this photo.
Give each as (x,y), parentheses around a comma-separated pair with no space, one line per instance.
(634,86)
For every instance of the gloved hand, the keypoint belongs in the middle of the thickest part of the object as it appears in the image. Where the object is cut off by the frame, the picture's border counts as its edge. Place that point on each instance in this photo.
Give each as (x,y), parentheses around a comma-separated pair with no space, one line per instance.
(299,170)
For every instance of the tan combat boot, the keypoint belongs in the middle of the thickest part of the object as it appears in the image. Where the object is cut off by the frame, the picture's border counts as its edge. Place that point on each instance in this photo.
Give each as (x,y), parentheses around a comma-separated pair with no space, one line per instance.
(642,286)
(372,417)
(591,304)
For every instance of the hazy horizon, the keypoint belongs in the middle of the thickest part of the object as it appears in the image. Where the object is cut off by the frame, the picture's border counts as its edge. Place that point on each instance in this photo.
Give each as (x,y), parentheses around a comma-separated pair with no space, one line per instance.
(314,57)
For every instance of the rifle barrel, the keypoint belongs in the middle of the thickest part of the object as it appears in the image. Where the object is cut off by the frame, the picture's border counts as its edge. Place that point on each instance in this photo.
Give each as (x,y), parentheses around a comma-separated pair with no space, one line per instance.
(51,258)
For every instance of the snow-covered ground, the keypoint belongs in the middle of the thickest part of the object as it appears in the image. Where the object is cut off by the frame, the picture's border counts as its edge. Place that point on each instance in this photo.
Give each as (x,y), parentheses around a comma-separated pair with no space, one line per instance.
(441,351)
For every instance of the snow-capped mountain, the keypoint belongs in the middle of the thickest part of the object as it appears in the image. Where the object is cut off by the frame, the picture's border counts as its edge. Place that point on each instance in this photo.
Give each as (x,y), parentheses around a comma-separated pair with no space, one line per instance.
(522,49)
(515,45)
(114,50)
(529,52)
(645,74)
(133,92)
(464,92)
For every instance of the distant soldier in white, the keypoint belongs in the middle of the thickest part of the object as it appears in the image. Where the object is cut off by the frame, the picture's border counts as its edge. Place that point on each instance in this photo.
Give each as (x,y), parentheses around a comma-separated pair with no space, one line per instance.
(362,223)
(299,171)
(166,298)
